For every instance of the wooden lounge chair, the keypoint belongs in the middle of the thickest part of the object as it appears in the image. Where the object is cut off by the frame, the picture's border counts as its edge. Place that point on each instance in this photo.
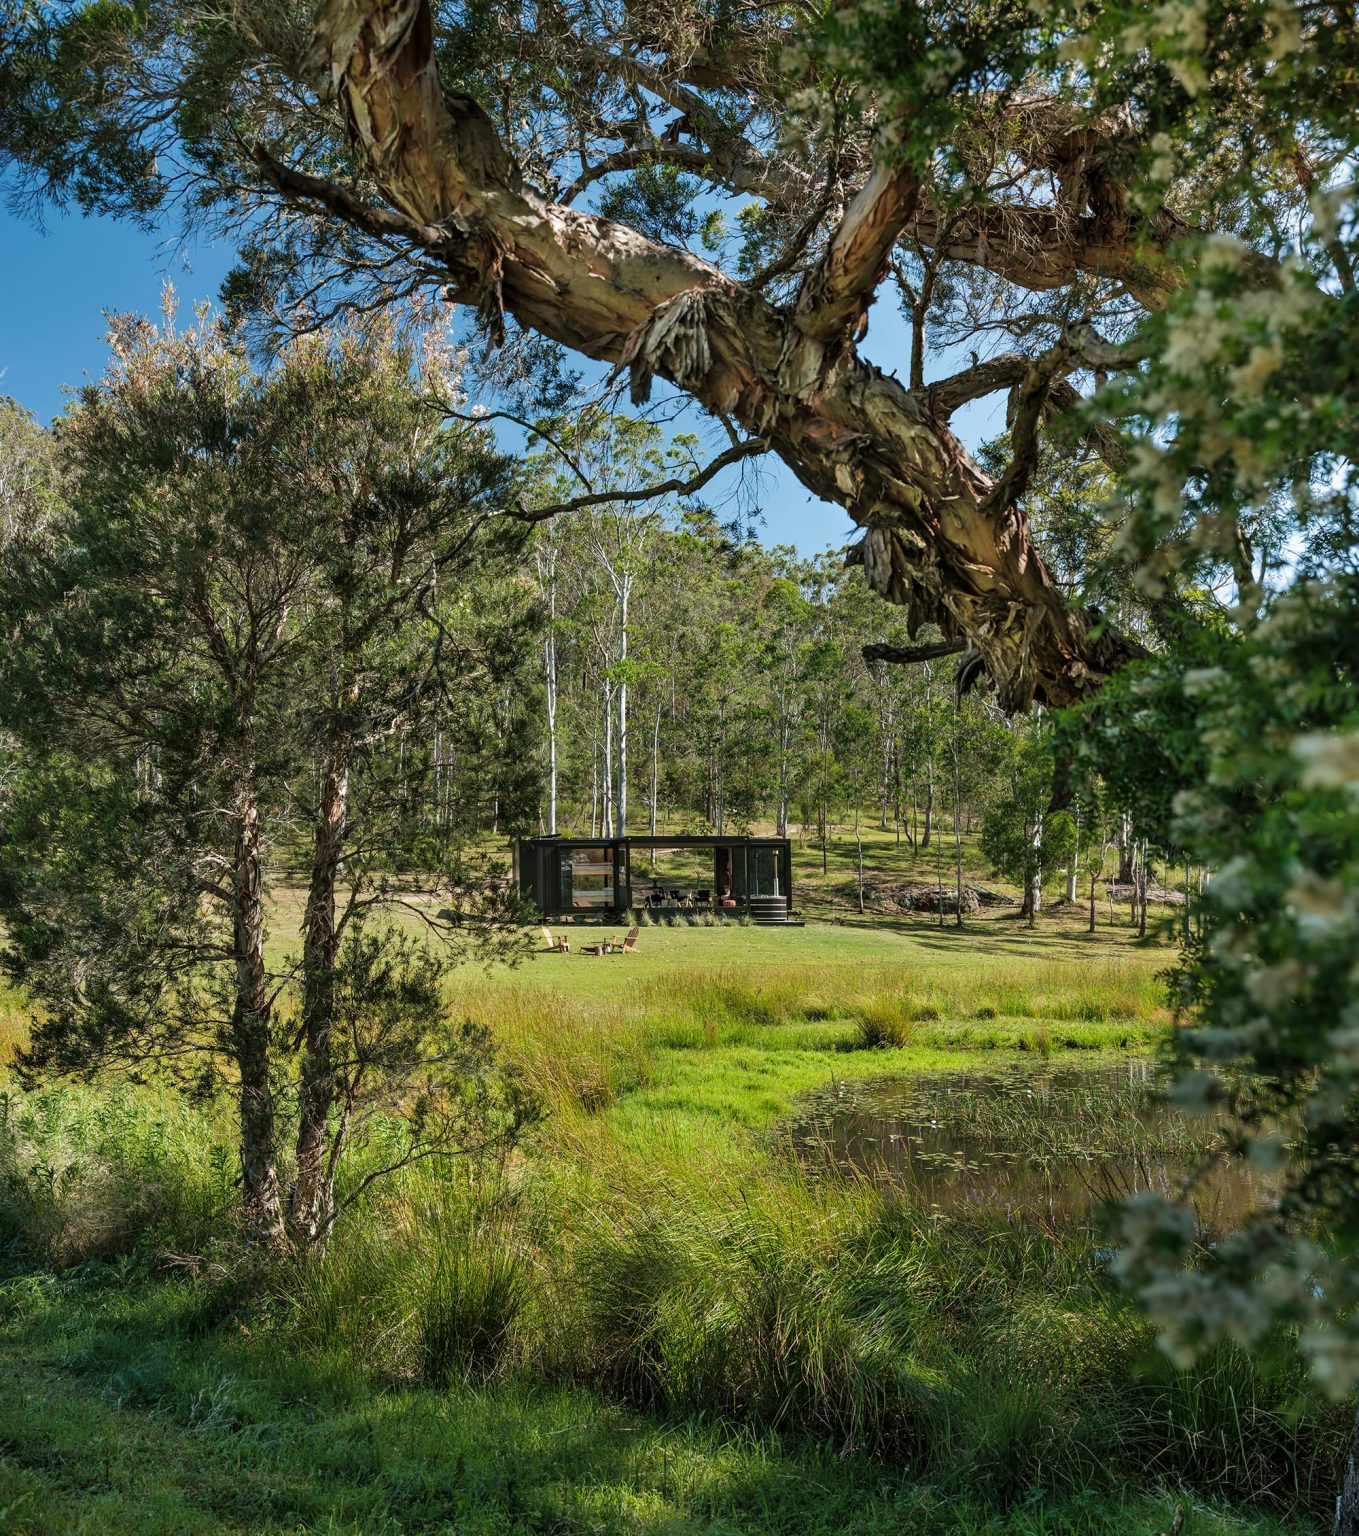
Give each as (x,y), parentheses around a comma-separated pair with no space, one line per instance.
(555,946)
(612,947)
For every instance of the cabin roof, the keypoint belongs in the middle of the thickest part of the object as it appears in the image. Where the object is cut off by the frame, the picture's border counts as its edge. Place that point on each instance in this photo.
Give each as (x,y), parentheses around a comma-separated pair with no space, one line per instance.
(675,840)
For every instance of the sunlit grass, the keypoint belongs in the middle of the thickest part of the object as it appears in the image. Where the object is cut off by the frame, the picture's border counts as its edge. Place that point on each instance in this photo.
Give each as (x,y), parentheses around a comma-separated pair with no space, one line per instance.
(648,1320)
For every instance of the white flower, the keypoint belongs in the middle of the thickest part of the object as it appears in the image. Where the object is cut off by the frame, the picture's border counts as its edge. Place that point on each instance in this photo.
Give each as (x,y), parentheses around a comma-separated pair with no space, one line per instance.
(1231,886)
(1330,761)
(1199,680)
(1286,29)
(1319,905)
(1274,985)
(1222,253)
(1335,1358)
(1259,367)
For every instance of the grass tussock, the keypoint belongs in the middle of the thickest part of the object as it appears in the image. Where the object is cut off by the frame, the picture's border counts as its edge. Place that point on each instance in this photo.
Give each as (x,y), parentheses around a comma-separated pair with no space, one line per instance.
(975,1355)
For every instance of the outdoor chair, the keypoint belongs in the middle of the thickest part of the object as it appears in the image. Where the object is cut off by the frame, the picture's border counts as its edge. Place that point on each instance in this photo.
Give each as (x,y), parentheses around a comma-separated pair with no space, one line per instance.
(702,898)
(555,946)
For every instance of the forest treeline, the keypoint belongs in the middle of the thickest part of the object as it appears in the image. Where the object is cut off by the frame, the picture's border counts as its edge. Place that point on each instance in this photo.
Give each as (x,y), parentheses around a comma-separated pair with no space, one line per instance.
(639,663)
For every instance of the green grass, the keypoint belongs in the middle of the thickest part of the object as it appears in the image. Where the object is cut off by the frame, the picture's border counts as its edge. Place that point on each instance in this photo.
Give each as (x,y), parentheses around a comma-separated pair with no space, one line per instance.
(648,1321)
(202,1433)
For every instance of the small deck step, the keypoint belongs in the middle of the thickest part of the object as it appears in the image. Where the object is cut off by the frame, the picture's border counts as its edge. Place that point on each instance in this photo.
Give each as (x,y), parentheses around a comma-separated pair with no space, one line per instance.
(770,912)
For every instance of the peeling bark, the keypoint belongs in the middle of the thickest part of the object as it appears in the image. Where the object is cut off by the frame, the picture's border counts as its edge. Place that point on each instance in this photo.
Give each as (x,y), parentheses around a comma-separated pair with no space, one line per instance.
(251,1025)
(936,536)
(311,1202)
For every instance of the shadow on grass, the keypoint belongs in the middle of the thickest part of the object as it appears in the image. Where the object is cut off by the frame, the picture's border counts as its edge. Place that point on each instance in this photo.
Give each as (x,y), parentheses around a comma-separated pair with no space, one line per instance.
(118,1413)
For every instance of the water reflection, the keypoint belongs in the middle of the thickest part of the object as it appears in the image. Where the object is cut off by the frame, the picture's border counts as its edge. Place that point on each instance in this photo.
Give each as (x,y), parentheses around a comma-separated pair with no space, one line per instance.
(1051,1145)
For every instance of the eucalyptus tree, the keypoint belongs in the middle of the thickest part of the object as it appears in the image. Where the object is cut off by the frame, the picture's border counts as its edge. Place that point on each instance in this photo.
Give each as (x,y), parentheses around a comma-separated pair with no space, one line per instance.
(785,623)
(231,628)
(988,168)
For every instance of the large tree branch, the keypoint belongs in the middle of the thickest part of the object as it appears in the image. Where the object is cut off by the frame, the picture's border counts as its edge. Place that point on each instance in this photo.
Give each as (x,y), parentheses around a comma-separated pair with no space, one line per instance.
(905,655)
(1042,248)
(1003,371)
(935,538)
(835,294)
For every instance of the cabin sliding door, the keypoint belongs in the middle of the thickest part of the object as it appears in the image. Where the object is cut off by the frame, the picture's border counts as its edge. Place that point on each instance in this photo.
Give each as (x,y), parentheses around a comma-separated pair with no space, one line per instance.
(587,879)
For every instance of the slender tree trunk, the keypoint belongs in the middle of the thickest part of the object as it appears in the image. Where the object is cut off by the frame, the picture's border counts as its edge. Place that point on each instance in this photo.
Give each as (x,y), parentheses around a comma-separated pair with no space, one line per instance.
(1034,895)
(939,878)
(957,834)
(550,677)
(1126,851)
(1347,1501)
(929,803)
(781,821)
(719,787)
(606,768)
(896,788)
(655,767)
(1142,890)
(621,809)
(825,835)
(1073,873)
(594,784)
(886,781)
(251,1028)
(311,1202)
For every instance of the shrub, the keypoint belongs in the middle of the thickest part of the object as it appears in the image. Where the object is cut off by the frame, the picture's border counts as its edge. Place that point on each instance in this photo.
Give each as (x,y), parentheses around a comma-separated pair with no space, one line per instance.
(88,1173)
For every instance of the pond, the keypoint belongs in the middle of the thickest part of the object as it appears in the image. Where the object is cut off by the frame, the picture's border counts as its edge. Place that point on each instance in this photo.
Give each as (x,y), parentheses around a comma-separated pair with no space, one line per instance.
(1048,1144)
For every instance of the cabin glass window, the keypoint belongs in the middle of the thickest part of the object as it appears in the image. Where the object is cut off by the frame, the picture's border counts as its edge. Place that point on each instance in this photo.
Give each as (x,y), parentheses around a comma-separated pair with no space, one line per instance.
(766,872)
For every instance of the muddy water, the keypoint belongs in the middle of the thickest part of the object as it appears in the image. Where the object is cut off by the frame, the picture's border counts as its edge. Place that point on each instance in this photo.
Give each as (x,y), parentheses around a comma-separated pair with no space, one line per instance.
(1048,1144)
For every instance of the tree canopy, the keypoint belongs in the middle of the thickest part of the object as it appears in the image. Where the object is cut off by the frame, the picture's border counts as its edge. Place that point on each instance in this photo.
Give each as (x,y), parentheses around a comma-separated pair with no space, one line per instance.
(714,197)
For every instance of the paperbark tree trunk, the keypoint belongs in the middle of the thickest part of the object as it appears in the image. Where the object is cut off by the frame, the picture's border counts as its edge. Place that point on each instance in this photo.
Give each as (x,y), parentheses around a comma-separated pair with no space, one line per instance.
(311,1201)
(940,536)
(251,1029)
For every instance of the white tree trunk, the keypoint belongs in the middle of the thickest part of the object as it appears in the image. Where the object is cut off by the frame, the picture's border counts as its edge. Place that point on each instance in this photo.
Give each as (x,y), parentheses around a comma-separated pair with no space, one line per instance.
(621,806)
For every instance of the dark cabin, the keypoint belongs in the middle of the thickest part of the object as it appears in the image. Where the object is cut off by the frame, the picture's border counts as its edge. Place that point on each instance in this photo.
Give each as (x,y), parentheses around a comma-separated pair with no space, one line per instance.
(604,877)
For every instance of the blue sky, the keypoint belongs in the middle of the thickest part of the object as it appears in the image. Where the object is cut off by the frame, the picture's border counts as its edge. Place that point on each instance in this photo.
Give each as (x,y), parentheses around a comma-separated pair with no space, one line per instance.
(57,284)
